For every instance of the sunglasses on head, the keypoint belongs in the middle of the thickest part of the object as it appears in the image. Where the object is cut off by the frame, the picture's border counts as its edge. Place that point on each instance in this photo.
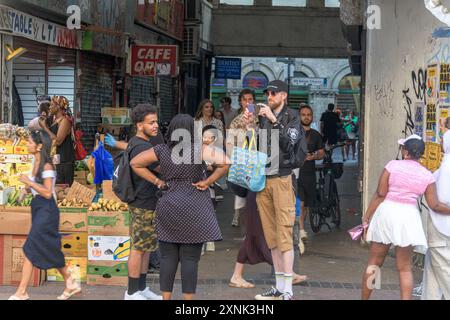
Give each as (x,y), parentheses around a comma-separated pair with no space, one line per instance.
(270,93)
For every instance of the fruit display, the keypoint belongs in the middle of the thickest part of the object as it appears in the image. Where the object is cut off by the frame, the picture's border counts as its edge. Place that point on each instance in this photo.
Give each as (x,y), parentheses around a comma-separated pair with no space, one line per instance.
(14,197)
(22,133)
(72,204)
(108,205)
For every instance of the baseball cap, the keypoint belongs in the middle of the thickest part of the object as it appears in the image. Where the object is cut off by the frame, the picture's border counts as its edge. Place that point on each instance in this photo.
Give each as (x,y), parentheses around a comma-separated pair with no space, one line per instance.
(413,136)
(277,86)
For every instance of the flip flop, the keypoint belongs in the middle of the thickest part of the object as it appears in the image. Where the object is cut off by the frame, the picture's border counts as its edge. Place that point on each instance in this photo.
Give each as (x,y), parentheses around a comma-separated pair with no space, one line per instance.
(14,297)
(241,284)
(67,295)
(299,279)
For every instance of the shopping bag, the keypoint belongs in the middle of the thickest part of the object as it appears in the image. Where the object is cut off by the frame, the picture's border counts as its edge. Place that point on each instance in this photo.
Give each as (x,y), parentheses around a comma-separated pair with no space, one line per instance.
(104,164)
(248,166)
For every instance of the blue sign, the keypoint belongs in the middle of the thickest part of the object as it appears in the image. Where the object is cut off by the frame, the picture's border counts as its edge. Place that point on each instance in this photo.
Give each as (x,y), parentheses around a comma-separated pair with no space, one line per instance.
(228,68)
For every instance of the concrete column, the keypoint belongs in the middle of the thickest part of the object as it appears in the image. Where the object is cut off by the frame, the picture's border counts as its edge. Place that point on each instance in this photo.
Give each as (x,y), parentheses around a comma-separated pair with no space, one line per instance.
(263,3)
(315,3)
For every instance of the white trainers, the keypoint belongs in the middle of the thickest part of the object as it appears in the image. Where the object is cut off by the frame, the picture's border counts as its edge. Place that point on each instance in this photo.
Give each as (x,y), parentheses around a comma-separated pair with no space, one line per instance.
(303,235)
(134,296)
(210,246)
(150,295)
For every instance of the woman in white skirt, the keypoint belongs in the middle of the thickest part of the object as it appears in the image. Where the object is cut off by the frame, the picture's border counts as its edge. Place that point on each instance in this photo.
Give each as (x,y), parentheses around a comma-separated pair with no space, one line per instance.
(393,215)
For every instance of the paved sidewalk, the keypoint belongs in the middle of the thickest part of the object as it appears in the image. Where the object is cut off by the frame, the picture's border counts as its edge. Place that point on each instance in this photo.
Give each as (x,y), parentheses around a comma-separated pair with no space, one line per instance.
(332,261)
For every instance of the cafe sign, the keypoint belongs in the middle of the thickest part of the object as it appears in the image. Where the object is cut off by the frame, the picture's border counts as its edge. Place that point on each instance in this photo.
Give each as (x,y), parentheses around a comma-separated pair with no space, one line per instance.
(154,60)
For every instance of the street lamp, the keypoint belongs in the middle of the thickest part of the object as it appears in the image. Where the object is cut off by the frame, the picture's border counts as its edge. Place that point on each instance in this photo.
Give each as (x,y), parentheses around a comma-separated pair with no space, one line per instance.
(289,62)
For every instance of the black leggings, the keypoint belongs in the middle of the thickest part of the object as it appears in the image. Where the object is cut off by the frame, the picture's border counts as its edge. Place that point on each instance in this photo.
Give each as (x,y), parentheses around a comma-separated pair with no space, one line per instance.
(189,256)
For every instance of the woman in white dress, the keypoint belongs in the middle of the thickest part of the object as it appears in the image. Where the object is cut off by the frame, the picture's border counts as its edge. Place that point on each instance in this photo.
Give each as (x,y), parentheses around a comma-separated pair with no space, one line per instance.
(394,218)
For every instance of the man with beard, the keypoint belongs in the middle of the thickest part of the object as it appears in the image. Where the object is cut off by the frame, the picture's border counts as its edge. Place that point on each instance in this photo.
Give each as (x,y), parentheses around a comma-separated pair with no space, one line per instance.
(276,203)
(307,177)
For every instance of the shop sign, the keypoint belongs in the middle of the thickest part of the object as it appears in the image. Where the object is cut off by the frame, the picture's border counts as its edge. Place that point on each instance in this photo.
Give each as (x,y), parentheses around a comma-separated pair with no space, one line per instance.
(154,60)
(24,25)
(228,68)
(306,82)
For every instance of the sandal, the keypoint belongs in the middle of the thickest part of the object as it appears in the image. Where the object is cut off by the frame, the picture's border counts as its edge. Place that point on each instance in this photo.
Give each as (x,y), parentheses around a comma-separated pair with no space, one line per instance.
(14,297)
(297,279)
(66,295)
(243,284)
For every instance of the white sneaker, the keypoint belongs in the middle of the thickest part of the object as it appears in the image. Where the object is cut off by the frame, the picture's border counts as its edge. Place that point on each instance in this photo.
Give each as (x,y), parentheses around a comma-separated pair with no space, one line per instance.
(150,295)
(303,235)
(134,296)
(210,246)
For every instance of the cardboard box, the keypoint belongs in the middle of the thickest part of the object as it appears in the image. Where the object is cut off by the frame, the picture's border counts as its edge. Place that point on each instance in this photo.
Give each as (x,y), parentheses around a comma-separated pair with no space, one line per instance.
(107,273)
(11,262)
(78,191)
(115,223)
(74,244)
(7,149)
(107,248)
(118,116)
(76,265)
(15,223)
(73,220)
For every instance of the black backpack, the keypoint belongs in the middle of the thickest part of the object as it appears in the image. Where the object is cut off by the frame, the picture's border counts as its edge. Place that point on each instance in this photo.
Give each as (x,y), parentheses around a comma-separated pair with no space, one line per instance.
(123,184)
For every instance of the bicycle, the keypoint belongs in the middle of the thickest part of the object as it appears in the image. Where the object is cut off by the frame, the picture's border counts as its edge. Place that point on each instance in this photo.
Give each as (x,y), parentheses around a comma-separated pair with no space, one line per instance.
(328,202)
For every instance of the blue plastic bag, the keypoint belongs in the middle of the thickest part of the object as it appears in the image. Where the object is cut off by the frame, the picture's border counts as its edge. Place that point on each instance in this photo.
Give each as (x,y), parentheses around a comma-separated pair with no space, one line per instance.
(104,164)
(298,208)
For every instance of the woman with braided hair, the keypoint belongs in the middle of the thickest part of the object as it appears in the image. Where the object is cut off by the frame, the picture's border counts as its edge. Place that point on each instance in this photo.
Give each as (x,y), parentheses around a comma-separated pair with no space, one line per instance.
(60,132)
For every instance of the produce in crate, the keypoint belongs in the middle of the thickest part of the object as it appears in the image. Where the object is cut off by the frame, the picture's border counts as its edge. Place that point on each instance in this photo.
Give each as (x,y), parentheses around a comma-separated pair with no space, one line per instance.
(72,204)
(14,197)
(7,131)
(108,205)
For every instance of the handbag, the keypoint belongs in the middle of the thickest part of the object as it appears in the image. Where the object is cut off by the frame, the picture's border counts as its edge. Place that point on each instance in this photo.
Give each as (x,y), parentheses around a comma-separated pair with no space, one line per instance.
(248,166)
(357,232)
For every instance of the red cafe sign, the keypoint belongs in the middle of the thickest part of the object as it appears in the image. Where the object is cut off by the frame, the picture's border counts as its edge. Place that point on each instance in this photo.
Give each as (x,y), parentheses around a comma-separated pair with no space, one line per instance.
(153,60)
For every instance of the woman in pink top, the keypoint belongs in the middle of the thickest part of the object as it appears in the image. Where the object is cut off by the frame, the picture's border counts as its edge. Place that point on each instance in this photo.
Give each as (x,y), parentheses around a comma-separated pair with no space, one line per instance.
(393,215)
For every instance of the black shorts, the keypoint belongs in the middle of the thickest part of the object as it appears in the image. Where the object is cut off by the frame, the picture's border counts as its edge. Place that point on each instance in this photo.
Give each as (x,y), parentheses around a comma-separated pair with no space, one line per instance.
(307,189)
(330,140)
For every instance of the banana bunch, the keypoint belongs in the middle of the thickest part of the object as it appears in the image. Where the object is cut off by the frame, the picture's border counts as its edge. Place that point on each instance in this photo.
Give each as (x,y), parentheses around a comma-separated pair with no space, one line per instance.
(27,201)
(13,199)
(22,133)
(108,205)
(72,203)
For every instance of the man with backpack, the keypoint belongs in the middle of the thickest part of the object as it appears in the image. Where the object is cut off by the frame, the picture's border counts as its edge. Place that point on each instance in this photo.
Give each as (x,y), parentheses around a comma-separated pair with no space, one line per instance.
(276,203)
(141,198)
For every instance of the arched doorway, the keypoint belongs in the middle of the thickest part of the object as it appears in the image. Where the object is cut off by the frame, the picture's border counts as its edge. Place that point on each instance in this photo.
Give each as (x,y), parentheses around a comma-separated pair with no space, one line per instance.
(348,98)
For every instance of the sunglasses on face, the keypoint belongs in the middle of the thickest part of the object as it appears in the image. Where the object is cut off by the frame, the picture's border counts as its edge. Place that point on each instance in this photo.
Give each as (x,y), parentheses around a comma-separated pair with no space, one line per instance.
(270,93)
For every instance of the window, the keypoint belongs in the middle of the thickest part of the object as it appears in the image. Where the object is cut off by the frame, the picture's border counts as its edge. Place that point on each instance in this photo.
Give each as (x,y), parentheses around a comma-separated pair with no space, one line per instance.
(238,2)
(289,3)
(332,3)
(255,80)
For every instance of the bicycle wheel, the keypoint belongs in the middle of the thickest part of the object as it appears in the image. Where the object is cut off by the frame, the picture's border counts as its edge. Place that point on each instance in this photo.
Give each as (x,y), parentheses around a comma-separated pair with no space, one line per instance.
(315,219)
(336,208)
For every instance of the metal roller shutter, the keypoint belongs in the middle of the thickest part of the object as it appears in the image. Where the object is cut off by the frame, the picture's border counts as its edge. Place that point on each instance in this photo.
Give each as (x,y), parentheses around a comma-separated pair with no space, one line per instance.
(96,92)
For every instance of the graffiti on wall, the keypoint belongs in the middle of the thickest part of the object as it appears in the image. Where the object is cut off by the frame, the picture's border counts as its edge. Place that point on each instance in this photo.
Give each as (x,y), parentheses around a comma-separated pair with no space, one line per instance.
(384,95)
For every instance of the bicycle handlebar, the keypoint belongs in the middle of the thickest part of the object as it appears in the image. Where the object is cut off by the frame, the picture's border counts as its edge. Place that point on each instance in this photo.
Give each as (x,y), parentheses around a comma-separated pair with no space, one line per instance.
(334,146)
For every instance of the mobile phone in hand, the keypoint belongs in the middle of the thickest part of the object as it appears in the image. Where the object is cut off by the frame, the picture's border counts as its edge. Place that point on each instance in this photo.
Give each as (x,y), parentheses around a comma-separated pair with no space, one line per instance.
(251,108)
